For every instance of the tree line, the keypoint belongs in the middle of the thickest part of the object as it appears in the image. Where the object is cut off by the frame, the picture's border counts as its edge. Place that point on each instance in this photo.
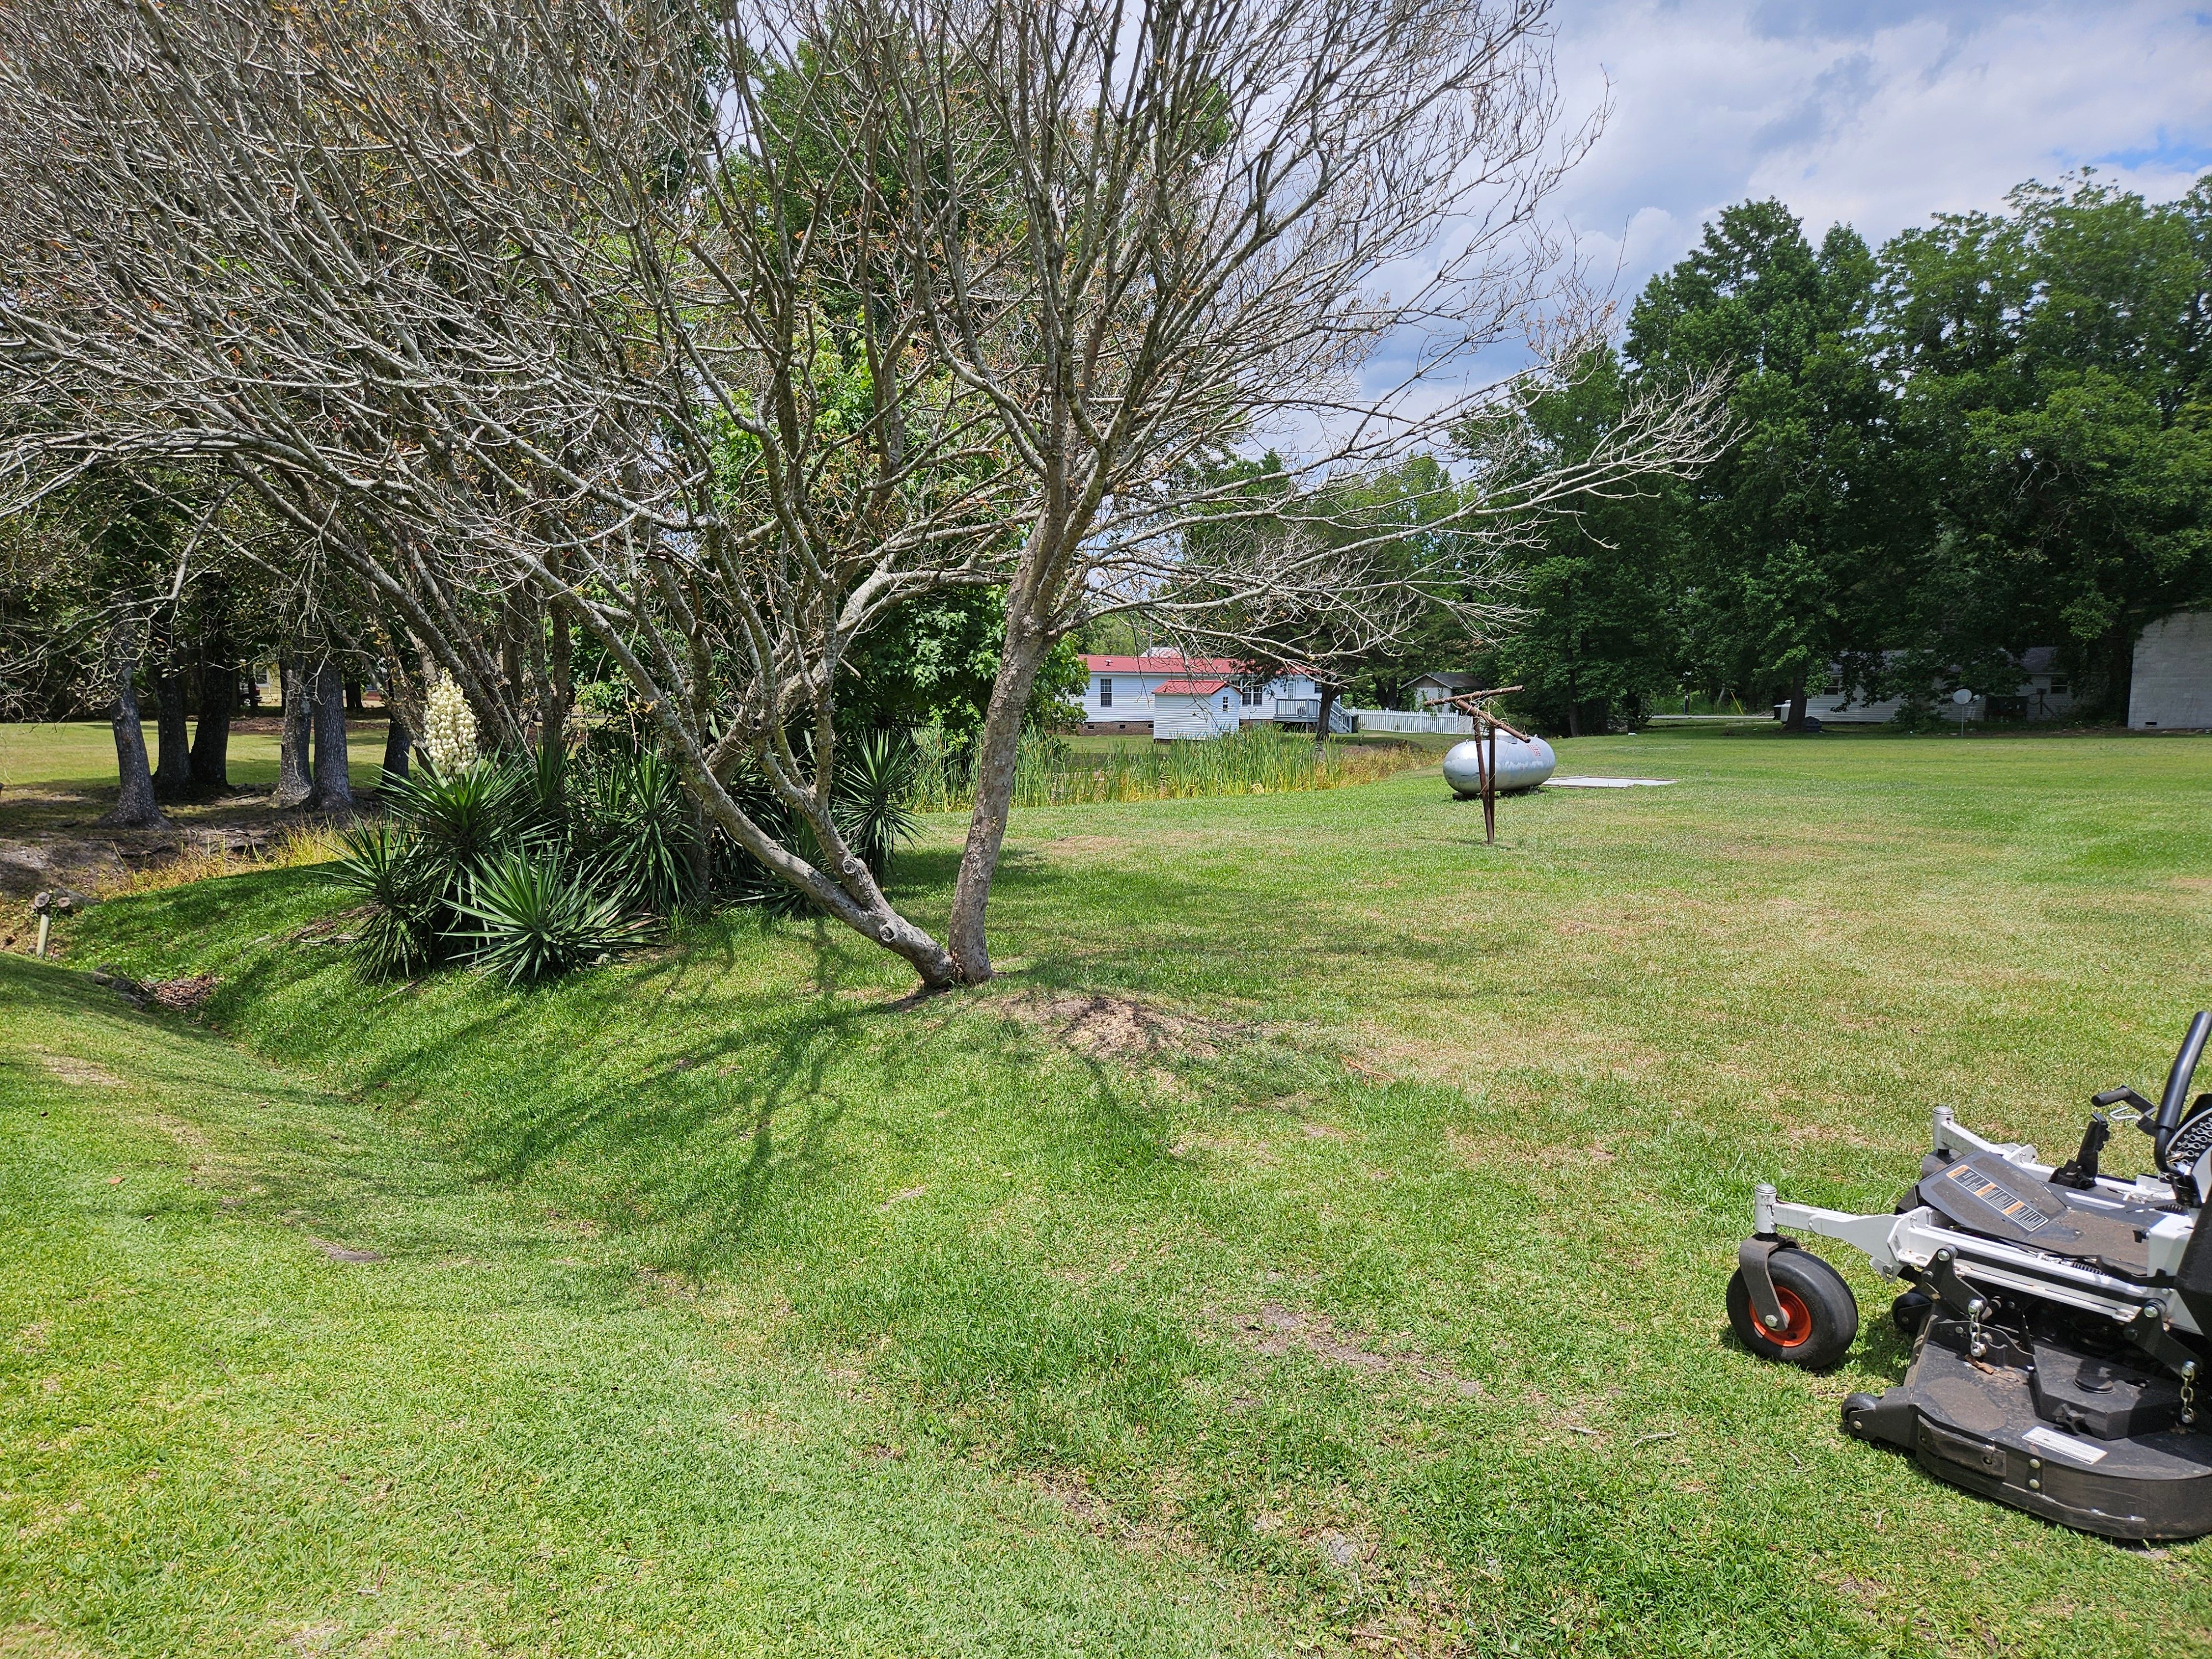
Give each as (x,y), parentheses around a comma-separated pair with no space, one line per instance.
(1993,433)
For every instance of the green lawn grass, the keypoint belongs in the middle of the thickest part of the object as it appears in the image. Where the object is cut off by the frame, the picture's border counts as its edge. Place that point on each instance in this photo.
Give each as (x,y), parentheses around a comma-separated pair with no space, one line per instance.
(1314,1242)
(79,756)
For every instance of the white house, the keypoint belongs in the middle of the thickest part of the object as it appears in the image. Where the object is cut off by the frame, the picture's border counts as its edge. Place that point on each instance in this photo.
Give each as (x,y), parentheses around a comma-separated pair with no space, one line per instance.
(2042,693)
(2171,686)
(1165,694)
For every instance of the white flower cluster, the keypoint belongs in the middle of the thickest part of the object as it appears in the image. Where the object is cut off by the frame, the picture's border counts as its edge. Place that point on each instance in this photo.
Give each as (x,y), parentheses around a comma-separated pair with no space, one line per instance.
(452,735)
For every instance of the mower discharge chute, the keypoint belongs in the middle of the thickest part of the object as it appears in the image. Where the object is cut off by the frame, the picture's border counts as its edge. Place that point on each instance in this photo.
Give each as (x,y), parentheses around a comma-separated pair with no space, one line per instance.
(2059,1316)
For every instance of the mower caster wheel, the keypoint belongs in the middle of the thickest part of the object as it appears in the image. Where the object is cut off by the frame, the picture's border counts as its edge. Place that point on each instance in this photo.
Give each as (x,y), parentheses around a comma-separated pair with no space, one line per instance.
(1820,1315)
(1909,1312)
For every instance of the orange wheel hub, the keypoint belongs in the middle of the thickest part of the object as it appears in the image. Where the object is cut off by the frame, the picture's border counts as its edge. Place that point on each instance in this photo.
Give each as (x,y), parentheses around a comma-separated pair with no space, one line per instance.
(1797,1320)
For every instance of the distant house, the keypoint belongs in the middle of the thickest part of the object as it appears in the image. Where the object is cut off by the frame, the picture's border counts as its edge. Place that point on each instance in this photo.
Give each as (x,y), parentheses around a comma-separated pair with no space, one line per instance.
(2171,689)
(1168,695)
(1441,686)
(2041,693)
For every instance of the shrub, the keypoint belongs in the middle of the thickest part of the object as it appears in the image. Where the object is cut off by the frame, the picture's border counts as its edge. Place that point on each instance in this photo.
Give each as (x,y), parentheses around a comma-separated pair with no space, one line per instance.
(632,818)
(459,820)
(404,894)
(539,915)
(872,797)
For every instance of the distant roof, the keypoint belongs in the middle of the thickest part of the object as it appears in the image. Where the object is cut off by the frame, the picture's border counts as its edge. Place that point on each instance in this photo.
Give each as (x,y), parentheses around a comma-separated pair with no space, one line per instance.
(2039,659)
(1190,687)
(1450,679)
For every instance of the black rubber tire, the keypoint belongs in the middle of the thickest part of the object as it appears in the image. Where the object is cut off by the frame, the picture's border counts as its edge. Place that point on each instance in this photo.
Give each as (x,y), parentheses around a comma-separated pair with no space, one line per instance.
(1910,1312)
(1820,1291)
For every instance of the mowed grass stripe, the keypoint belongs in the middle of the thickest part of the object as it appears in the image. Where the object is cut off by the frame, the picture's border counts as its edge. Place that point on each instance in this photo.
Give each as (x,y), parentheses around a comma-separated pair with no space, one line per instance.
(215,1438)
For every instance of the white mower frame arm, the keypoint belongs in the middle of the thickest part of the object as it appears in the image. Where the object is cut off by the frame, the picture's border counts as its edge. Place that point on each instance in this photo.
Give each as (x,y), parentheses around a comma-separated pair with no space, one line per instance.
(1917,1238)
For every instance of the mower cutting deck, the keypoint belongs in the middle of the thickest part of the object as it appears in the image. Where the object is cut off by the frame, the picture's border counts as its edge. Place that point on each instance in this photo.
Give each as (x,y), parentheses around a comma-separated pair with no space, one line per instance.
(2058,1315)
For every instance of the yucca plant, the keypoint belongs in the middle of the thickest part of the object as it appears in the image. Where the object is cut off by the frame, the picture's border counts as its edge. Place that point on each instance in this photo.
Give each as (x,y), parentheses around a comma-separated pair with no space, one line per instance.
(872,799)
(404,894)
(635,817)
(539,915)
(460,820)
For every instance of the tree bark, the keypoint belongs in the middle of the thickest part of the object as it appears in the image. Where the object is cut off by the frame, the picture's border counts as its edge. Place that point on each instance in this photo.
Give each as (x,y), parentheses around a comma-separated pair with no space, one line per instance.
(1328,695)
(404,696)
(398,741)
(996,753)
(553,724)
(1798,699)
(218,702)
(294,782)
(136,807)
(172,770)
(333,790)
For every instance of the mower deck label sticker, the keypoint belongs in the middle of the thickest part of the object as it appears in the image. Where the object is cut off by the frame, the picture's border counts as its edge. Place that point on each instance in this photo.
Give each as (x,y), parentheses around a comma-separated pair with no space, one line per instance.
(2000,1198)
(2065,1445)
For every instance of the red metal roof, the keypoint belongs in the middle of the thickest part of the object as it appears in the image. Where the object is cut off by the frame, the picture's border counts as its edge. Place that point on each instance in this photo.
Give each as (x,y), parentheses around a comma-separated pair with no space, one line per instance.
(1190,687)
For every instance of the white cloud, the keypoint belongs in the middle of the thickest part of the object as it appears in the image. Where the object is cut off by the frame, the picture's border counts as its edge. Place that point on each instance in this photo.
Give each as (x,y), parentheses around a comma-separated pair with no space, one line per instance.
(1881,113)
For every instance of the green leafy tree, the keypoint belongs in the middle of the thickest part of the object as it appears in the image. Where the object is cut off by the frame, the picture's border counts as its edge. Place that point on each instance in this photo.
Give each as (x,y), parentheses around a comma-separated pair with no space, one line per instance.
(1791,532)
(2056,367)
(1599,636)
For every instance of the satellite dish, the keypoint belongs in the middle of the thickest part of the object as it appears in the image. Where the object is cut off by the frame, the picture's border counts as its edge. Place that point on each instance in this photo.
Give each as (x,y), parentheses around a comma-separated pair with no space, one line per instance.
(1962,697)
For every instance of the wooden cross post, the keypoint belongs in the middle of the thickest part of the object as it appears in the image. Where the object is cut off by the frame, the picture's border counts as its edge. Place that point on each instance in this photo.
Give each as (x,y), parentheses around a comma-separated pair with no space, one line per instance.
(1488,726)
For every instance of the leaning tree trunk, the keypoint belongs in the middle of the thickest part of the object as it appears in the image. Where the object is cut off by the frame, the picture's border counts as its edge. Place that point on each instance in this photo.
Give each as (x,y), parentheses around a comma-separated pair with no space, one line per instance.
(333,791)
(218,703)
(136,807)
(294,781)
(997,751)
(172,770)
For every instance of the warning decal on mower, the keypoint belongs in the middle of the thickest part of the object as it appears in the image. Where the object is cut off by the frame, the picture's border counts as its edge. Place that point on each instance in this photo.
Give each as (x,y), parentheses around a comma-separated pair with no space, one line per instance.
(1999,1197)
(2064,1444)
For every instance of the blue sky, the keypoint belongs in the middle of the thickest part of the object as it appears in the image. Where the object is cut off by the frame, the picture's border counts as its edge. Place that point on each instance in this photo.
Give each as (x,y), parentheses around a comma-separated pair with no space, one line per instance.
(1879,112)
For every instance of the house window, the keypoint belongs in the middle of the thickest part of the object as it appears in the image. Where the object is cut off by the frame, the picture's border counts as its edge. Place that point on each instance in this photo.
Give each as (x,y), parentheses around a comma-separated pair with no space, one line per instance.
(1105,693)
(1250,694)
(2058,688)
(1225,702)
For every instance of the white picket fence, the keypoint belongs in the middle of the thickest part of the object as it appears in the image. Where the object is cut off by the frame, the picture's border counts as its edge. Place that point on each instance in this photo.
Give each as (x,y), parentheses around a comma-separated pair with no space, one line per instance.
(1384,720)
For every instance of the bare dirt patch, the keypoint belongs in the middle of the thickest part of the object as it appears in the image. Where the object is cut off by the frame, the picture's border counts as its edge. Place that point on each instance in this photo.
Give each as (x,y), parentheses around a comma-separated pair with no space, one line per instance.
(1493,1153)
(340,1253)
(1102,1026)
(1276,1330)
(181,996)
(83,1073)
(1457,1048)
(1078,845)
(1072,1495)
(37,1642)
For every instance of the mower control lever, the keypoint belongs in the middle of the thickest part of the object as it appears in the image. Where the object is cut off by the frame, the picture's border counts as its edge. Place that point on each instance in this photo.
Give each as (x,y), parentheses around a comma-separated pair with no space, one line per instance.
(2144,1111)
(2080,1171)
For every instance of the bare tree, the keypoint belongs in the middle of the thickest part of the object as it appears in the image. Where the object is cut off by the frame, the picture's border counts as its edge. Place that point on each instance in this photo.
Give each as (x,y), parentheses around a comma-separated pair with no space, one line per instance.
(1153,235)
(556,305)
(720,330)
